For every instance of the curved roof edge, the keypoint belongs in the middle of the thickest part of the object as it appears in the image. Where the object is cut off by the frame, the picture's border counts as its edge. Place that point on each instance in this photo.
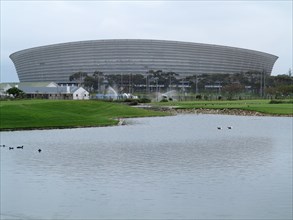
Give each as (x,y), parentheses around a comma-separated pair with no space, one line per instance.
(145,40)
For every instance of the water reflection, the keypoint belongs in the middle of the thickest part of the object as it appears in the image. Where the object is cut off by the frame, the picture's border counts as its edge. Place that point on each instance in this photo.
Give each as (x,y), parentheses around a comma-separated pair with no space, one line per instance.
(142,158)
(172,167)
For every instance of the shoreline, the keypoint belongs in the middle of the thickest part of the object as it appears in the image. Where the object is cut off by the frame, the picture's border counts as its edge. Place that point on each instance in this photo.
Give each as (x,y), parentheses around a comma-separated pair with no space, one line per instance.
(173,111)
(226,111)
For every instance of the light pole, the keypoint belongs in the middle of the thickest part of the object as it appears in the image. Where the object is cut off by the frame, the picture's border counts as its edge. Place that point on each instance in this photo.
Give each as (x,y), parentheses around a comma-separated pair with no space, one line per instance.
(121,83)
(146,79)
(96,75)
(262,83)
(129,81)
(170,82)
(157,79)
(196,88)
(146,84)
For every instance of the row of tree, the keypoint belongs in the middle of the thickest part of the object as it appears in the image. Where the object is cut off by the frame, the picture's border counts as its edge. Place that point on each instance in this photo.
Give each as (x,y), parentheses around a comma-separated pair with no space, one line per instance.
(257,83)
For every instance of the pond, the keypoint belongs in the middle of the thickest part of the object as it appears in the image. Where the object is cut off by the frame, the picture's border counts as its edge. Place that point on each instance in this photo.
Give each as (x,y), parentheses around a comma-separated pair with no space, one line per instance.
(163,167)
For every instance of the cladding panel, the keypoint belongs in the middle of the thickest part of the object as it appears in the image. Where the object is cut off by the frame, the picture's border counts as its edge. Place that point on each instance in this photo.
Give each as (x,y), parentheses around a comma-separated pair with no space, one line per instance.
(57,62)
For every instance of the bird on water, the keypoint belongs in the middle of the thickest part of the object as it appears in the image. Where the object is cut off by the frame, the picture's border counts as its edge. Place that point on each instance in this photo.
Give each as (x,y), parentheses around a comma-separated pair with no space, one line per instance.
(39,150)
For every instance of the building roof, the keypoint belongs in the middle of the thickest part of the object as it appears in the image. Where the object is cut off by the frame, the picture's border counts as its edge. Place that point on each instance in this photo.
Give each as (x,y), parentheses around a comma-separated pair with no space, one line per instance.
(48,90)
(28,84)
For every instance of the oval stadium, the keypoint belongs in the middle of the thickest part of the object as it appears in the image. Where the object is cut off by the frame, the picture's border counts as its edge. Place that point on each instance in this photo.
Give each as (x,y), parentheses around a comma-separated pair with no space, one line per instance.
(133,56)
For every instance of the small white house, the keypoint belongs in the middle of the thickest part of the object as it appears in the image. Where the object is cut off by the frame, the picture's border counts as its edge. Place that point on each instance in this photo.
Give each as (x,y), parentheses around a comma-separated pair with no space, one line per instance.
(80,94)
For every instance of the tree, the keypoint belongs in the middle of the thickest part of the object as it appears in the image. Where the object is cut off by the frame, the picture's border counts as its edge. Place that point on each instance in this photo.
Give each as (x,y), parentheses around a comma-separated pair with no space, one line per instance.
(233,89)
(78,77)
(16,92)
(89,83)
(283,80)
(285,90)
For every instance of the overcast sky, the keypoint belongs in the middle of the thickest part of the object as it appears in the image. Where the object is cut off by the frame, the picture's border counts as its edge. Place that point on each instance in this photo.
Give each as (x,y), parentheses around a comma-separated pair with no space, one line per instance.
(258,25)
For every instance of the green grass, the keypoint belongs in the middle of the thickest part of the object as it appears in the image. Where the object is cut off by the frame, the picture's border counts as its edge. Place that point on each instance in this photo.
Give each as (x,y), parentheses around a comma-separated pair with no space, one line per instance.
(45,114)
(262,106)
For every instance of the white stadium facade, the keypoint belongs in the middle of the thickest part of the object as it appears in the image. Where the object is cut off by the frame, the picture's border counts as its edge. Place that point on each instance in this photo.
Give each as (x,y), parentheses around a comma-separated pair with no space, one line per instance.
(135,56)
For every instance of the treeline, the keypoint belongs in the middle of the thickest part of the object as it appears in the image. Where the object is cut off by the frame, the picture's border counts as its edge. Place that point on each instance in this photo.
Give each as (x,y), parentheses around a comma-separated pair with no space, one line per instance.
(255,83)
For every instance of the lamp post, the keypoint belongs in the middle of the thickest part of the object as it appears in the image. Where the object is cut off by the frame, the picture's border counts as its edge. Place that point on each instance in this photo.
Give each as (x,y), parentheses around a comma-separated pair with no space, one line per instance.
(262,83)
(146,84)
(157,95)
(146,79)
(129,82)
(121,83)
(196,88)
(170,81)
(97,76)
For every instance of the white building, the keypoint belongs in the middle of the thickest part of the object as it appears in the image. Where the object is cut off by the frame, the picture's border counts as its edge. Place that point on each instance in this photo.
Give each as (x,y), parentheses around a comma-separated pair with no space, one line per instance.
(60,92)
(5,86)
(48,91)
(80,93)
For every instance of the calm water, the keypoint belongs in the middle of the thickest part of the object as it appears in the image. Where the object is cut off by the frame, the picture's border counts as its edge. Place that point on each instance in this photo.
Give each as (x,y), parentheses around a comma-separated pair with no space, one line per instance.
(171,167)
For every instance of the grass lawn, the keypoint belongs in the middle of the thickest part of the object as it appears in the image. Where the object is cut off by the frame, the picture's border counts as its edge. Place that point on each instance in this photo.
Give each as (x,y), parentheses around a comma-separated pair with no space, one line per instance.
(262,106)
(45,114)
(34,114)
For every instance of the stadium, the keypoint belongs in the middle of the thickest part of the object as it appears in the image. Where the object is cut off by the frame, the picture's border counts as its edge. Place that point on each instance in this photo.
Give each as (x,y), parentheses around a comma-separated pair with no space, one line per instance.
(55,63)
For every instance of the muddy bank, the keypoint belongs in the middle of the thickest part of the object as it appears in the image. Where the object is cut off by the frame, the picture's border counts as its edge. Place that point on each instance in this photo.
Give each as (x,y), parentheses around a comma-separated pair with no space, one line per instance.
(219,112)
(174,111)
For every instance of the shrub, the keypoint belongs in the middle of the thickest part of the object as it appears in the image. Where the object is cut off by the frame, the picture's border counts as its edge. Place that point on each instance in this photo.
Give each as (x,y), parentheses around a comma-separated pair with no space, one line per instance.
(274,101)
(144,100)
(199,97)
(134,102)
(128,100)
